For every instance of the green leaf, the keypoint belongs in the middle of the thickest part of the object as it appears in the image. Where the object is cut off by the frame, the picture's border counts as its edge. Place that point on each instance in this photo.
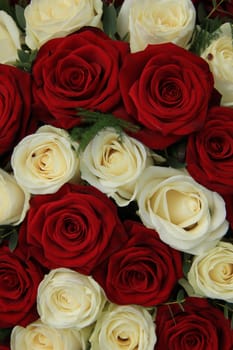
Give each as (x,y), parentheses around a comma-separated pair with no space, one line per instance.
(109,20)
(187,287)
(94,122)
(26,59)
(225,311)
(180,296)
(205,34)
(201,12)
(4,333)
(19,13)
(23,56)
(5,6)
(13,241)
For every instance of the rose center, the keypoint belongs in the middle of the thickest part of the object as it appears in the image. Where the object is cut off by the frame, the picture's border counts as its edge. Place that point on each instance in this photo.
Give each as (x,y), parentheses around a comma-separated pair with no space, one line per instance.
(222,273)
(218,149)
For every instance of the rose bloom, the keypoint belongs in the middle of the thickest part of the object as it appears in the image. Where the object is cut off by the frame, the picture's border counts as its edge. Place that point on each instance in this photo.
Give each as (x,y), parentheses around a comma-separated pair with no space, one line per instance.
(46,20)
(9,38)
(19,280)
(166,90)
(144,271)
(124,327)
(15,108)
(44,161)
(67,76)
(211,273)
(68,299)
(113,164)
(14,200)
(197,325)
(209,153)
(68,228)
(150,22)
(41,336)
(186,215)
(4,347)
(219,56)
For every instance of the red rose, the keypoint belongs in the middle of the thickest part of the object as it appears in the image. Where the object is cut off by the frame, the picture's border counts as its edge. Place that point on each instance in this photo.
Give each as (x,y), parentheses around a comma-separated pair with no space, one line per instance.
(77,71)
(19,280)
(4,347)
(198,326)
(15,107)
(76,227)
(209,153)
(144,271)
(166,89)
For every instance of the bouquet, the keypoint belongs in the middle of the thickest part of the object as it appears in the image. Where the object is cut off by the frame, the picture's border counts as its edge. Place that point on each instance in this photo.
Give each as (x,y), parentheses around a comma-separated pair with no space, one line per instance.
(116,175)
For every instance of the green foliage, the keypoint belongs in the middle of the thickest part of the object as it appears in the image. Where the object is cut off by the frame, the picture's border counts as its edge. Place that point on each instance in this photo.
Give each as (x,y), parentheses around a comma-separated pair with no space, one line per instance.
(187,287)
(5,6)
(94,122)
(4,334)
(10,233)
(19,14)
(26,59)
(205,34)
(16,12)
(175,154)
(109,20)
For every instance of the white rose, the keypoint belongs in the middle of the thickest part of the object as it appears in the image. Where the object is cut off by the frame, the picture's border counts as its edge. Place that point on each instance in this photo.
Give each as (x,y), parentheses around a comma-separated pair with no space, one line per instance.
(186,215)
(52,19)
(9,38)
(219,56)
(113,164)
(156,21)
(44,161)
(67,298)
(211,273)
(124,327)
(14,200)
(41,336)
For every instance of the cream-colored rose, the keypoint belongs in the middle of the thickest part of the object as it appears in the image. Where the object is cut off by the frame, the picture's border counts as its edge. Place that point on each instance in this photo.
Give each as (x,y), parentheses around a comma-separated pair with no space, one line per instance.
(124,327)
(14,200)
(44,161)
(186,215)
(219,56)
(156,21)
(41,336)
(9,38)
(211,273)
(113,164)
(52,19)
(67,298)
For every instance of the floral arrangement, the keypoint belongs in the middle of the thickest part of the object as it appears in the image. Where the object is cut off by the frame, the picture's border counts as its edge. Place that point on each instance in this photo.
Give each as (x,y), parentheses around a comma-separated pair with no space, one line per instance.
(116,175)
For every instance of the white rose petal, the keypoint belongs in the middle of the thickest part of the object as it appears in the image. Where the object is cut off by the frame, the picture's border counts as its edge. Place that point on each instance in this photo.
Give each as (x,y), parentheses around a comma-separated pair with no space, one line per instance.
(44,161)
(114,164)
(9,38)
(14,200)
(156,21)
(219,56)
(41,336)
(186,215)
(124,327)
(67,299)
(211,273)
(52,19)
